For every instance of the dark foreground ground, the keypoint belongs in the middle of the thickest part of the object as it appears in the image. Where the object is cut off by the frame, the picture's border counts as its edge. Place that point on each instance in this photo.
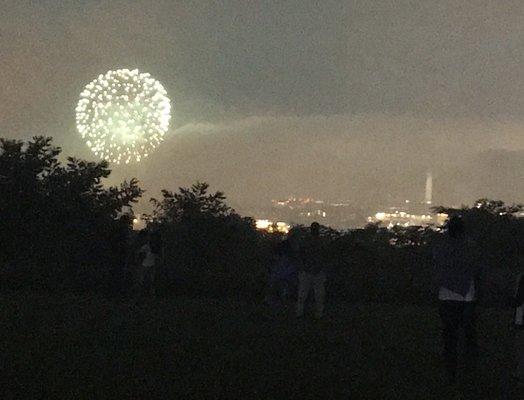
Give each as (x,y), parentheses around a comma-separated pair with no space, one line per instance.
(81,347)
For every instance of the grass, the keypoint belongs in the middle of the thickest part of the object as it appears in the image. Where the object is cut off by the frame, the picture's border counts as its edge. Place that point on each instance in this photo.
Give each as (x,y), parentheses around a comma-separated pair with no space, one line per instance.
(86,347)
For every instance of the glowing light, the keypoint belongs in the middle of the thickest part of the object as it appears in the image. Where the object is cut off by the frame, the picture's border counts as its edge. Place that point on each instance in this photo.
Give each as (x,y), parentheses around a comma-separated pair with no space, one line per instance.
(263,223)
(123,115)
(380,215)
(283,227)
(269,226)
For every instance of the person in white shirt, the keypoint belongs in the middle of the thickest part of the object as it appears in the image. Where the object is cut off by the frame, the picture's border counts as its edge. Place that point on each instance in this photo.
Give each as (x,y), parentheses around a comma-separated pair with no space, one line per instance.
(147,260)
(458,269)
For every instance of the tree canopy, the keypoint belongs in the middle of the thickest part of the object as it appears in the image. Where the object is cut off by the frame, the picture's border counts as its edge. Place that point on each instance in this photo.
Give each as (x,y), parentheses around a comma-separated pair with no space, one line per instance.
(52,212)
(189,203)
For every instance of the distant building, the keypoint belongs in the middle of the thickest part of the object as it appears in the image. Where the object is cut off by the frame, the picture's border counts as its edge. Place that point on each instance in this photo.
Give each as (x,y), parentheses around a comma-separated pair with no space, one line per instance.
(429,188)
(412,213)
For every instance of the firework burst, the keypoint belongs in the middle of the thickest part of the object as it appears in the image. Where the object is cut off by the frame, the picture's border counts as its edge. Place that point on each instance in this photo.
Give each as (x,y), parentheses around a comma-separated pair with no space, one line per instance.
(123,115)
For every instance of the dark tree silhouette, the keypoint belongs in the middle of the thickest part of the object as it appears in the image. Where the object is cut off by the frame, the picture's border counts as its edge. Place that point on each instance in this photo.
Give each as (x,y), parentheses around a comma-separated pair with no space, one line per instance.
(59,226)
(209,248)
(55,218)
(189,203)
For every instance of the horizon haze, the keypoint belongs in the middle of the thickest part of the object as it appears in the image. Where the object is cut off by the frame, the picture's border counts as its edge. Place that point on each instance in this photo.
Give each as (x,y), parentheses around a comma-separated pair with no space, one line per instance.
(351,100)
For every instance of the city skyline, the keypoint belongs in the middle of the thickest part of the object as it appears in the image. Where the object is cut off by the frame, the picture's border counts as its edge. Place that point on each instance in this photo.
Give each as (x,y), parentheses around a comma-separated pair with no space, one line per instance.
(345,215)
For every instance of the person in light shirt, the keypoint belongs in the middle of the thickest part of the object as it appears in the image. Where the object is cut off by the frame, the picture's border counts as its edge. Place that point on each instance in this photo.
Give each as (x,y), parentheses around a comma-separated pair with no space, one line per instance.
(147,260)
(458,268)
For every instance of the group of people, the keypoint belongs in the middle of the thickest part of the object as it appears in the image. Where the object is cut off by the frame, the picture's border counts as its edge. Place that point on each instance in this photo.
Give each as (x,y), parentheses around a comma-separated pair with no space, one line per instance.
(305,261)
(458,272)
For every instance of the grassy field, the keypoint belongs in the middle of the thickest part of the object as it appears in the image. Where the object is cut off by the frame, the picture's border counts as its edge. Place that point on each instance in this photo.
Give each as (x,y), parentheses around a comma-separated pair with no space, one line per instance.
(81,347)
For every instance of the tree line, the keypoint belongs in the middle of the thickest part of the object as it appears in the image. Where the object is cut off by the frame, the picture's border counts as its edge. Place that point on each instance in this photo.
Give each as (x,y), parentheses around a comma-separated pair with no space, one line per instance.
(60,230)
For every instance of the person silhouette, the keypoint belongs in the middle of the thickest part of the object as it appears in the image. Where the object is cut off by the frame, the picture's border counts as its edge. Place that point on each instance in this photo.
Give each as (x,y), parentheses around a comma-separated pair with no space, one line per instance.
(311,271)
(282,271)
(518,304)
(458,274)
(149,255)
(121,245)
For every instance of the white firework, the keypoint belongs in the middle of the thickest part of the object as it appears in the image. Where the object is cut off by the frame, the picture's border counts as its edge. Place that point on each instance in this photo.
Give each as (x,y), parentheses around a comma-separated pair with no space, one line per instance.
(123,115)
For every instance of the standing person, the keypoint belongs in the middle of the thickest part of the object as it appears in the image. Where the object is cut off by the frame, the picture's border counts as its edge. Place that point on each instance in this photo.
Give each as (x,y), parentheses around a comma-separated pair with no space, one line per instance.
(311,271)
(146,265)
(281,275)
(272,275)
(518,303)
(121,240)
(157,248)
(458,273)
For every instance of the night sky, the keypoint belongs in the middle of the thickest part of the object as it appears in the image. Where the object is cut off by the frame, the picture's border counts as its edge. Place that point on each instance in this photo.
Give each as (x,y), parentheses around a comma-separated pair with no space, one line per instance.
(339,100)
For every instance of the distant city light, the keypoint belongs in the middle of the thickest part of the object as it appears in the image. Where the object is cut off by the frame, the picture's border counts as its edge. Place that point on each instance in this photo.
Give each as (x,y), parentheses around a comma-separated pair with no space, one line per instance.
(263,224)
(123,115)
(344,214)
(403,218)
(380,216)
(282,227)
(269,226)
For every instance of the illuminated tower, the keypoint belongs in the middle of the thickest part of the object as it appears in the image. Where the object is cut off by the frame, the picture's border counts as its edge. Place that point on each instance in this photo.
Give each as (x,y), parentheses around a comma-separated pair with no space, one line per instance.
(429,188)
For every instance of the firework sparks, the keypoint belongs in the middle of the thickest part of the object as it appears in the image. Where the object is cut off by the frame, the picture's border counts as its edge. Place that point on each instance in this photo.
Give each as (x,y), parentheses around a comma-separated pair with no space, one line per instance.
(123,115)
